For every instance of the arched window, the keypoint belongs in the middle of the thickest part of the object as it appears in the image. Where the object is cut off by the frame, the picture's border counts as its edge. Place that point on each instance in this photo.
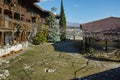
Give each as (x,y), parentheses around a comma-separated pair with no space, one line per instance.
(7,1)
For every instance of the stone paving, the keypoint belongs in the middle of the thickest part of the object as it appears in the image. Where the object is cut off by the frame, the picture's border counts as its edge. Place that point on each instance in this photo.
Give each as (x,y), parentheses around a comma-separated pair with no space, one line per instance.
(63,63)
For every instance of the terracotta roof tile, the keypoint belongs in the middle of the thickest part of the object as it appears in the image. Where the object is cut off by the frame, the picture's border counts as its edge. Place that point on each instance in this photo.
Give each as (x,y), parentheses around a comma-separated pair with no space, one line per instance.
(102,25)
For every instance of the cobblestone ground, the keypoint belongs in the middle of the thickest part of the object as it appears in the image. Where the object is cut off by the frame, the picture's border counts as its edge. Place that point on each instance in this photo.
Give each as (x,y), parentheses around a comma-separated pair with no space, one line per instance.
(60,61)
(111,74)
(69,46)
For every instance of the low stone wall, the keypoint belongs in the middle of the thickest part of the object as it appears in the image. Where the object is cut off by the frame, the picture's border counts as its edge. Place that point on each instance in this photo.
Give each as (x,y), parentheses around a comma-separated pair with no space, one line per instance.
(12,49)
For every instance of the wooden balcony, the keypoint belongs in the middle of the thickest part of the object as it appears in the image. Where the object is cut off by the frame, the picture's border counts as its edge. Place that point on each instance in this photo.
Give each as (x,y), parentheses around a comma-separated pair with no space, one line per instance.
(10,24)
(6,6)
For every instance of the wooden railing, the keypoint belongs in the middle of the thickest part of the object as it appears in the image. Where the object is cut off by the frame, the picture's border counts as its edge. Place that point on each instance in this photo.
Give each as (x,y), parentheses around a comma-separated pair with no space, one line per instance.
(11,24)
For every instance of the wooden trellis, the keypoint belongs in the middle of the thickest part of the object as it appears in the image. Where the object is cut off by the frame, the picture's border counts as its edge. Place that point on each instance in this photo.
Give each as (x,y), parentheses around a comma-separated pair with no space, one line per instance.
(108,38)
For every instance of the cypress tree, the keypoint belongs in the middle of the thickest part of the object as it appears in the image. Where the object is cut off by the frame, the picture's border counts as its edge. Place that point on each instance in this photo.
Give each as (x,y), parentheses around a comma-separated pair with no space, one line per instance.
(62,23)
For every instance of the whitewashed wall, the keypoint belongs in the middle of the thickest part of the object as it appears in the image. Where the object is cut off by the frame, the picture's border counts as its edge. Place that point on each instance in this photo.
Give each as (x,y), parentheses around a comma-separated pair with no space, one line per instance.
(7,49)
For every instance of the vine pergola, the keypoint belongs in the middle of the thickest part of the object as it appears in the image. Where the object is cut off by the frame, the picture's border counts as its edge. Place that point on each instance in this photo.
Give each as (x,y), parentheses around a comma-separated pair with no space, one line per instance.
(112,35)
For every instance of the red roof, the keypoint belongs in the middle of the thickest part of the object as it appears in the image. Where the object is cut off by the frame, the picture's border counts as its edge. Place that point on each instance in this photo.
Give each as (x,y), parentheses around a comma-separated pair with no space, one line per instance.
(102,25)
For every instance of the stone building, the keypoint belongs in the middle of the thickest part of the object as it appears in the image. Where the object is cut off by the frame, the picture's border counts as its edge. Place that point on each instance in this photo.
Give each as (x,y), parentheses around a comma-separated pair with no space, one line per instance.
(18,19)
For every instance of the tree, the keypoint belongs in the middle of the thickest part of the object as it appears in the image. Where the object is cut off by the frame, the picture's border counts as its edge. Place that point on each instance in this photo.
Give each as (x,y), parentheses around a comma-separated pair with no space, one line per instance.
(62,23)
(53,28)
(53,9)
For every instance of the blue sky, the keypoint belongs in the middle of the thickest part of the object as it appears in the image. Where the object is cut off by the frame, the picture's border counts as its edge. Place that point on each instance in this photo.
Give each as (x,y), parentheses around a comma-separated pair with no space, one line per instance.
(82,11)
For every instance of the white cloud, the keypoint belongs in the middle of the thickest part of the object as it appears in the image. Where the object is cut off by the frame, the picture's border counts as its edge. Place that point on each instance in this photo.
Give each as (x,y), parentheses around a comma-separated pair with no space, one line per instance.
(75,5)
(45,0)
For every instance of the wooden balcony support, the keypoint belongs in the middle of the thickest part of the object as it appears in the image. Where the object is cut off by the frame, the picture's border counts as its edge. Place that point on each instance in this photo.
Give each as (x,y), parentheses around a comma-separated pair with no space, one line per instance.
(2,39)
(12,38)
(12,14)
(19,38)
(23,36)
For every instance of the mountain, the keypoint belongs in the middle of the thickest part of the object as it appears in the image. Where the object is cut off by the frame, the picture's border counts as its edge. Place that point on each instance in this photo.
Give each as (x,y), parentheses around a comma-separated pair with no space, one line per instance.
(69,24)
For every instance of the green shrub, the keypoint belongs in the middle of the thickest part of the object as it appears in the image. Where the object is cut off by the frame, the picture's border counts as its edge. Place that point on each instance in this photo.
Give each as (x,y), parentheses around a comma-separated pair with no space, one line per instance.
(40,37)
(36,40)
(91,50)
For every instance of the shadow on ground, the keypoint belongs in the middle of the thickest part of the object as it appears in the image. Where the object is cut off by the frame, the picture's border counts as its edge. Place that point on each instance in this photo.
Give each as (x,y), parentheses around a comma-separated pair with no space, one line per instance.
(101,59)
(68,46)
(73,46)
(113,74)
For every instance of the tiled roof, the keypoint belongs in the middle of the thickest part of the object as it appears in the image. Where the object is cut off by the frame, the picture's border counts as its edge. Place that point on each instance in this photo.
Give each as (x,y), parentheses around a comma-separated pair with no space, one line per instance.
(102,25)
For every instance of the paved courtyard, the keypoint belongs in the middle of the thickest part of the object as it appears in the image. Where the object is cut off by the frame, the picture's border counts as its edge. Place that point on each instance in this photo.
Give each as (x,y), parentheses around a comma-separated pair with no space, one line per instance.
(60,61)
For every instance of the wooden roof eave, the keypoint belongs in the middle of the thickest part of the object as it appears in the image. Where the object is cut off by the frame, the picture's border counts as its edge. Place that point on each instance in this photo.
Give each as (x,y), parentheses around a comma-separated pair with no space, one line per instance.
(38,7)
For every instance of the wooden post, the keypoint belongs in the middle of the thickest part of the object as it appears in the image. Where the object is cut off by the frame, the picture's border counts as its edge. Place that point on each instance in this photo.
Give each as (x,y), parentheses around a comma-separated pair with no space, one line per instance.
(106,44)
(2,39)
(20,17)
(22,36)
(12,38)
(19,37)
(25,36)
(89,42)
(83,45)
(13,15)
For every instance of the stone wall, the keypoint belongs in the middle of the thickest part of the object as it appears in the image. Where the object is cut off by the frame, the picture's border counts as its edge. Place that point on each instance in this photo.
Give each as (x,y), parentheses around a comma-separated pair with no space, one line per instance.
(6,50)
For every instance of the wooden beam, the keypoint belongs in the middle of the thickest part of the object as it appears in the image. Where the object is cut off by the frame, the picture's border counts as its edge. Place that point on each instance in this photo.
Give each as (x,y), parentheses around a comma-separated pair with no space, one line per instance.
(13,15)
(2,23)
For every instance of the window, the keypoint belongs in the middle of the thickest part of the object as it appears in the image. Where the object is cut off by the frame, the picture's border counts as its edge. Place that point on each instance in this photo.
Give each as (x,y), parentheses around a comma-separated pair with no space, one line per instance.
(7,1)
